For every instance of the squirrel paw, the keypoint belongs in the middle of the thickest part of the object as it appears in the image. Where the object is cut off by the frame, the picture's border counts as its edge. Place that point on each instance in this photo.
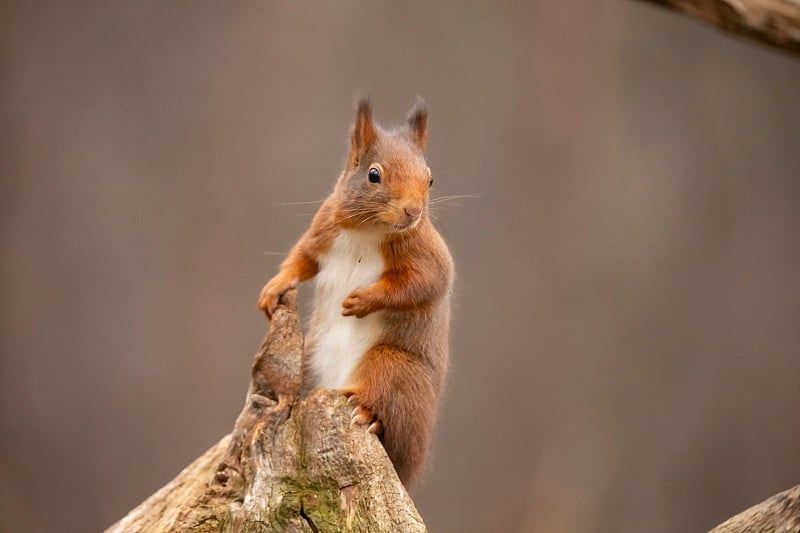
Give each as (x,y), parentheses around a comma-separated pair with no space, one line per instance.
(362,416)
(358,303)
(271,293)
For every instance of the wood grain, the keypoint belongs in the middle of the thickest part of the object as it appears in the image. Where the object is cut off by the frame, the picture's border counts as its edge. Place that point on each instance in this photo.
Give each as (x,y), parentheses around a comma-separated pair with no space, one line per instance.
(778,514)
(289,465)
(772,22)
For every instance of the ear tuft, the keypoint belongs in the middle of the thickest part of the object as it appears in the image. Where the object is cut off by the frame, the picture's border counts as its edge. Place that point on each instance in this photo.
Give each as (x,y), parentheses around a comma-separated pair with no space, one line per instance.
(363,130)
(418,123)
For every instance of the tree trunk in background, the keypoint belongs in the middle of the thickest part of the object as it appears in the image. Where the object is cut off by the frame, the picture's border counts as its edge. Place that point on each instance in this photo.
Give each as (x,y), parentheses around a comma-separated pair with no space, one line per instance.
(774,22)
(289,465)
(778,514)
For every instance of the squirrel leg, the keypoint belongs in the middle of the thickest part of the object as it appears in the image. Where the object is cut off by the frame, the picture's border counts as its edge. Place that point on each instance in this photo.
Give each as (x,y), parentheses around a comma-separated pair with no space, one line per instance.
(392,393)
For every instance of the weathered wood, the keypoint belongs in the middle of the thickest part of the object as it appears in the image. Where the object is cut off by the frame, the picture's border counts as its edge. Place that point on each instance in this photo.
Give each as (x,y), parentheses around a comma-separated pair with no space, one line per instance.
(773,22)
(778,514)
(289,465)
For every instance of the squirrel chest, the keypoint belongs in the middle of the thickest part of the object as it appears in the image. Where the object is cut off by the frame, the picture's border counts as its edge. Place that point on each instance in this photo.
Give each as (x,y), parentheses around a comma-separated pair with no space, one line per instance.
(339,342)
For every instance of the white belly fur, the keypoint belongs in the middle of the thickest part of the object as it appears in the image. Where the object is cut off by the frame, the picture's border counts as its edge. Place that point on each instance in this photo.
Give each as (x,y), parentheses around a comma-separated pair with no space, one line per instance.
(339,342)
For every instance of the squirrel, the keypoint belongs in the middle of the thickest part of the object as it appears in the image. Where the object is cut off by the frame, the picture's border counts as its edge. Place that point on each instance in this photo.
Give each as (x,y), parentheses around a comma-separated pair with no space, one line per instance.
(381,311)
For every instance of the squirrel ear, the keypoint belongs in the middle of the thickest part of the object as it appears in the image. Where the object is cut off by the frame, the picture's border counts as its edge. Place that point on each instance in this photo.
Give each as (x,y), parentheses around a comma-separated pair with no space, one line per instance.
(363,130)
(418,123)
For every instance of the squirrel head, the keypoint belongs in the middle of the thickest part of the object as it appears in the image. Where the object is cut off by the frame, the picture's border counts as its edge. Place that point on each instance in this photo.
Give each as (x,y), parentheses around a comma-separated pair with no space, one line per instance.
(386,182)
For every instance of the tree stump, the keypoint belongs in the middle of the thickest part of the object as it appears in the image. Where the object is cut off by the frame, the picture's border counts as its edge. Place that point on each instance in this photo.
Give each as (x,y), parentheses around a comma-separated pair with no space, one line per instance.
(298,465)
(778,514)
(290,464)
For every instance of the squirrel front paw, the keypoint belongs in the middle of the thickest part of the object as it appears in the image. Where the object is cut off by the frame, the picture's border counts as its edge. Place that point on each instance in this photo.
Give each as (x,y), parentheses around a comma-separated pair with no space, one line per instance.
(360,303)
(271,293)
(363,416)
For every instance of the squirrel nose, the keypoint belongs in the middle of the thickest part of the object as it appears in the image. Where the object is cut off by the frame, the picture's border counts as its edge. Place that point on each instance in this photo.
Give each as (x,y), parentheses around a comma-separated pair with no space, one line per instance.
(413,212)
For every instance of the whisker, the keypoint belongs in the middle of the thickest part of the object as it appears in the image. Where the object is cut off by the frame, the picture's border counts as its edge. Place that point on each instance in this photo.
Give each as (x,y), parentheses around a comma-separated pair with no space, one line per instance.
(342,219)
(350,216)
(299,203)
(368,219)
(450,197)
(354,210)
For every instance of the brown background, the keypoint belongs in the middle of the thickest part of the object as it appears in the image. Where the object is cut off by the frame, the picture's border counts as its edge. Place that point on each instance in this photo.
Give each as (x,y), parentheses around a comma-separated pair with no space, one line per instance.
(626,342)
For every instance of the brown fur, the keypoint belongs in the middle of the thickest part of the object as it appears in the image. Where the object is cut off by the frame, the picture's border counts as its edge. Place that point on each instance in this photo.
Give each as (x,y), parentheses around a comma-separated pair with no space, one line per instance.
(397,384)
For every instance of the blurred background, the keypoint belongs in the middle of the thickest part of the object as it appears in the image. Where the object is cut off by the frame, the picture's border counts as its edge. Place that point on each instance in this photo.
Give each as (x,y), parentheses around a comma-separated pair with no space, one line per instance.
(625,341)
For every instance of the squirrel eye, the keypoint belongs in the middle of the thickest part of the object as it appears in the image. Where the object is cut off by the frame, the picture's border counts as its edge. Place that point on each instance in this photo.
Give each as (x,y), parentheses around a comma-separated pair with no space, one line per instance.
(431,183)
(374,175)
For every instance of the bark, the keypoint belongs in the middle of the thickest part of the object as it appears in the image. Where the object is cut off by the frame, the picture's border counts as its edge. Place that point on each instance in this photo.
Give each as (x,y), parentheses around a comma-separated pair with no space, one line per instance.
(773,22)
(289,465)
(778,514)
(298,465)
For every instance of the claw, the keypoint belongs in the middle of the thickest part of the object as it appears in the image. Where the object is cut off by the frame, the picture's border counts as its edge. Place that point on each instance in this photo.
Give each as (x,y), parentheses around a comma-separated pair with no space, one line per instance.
(359,419)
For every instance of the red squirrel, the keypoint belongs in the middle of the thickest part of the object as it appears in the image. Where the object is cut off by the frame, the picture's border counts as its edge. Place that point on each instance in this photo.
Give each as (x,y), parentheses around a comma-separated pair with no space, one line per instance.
(381,312)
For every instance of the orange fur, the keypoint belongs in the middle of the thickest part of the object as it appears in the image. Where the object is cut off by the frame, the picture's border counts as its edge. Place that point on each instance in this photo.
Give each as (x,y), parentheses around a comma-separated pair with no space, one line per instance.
(397,383)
